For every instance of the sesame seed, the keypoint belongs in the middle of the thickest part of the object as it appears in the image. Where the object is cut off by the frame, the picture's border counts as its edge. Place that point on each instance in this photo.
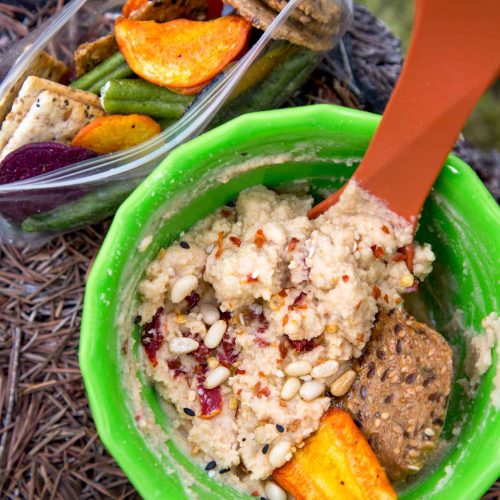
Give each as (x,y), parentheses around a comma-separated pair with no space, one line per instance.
(255,274)
(189,412)
(137,319)
(184,244)
(265,449)
(280,428)
(279,374)
(211,465)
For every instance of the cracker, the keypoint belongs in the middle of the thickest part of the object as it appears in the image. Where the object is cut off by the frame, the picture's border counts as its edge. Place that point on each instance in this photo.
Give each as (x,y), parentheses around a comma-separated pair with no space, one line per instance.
(329,26)
(261,16)
(90,54)
(162,11)
(400,395)
(44,66)
(30,90)
(52,117)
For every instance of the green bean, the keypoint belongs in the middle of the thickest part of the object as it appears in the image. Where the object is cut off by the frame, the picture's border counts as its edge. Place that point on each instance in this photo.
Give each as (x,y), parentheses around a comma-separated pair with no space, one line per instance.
(102,73)
(150,108)
(140,90)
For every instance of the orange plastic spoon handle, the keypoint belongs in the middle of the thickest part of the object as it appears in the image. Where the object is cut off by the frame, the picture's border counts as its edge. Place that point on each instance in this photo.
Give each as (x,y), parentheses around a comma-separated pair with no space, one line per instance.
(454,55)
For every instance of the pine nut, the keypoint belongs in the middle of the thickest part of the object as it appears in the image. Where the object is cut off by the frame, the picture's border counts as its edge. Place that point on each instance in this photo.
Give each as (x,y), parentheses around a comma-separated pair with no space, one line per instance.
(343,383)
(311,390)
(182,345)
(216,377)
(298,368)
(326,369)
(274,492)
(215,333)
(209,313)
(278,454)
(183,287)
(290,388)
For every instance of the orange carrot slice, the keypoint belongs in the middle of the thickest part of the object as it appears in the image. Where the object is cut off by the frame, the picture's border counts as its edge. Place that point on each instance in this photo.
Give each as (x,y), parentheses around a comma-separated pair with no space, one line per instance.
(189,90)
(132,5)
(336,462)
(108,134)
(181,53)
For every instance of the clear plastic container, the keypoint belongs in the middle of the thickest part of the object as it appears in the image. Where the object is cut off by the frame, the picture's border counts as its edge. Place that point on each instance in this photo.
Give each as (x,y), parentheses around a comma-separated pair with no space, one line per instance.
(90,191)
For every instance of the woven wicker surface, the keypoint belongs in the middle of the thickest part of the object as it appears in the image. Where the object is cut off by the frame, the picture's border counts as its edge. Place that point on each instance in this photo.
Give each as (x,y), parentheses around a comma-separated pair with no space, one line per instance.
(48,444)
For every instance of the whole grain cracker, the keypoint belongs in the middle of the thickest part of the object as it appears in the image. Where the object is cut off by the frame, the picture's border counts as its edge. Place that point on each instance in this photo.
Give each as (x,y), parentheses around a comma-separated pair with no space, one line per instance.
(30,90)
(52,117)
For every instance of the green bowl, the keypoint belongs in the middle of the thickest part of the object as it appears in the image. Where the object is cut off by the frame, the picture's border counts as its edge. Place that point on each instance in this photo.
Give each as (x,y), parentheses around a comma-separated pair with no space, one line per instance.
(322,144)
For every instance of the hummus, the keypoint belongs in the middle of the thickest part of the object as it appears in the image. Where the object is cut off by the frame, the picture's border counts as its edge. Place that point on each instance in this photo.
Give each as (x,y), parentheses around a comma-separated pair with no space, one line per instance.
(251,316)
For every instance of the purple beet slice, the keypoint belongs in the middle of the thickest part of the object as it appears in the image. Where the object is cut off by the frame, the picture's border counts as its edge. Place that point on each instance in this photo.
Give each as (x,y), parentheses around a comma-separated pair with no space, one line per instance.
(39,158)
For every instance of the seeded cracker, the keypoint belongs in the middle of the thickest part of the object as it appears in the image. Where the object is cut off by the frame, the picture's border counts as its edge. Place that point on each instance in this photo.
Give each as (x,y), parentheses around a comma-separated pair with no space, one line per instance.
(90,54)
(400,396)
(261,16)
(44,66)
(52,117)
(31,89)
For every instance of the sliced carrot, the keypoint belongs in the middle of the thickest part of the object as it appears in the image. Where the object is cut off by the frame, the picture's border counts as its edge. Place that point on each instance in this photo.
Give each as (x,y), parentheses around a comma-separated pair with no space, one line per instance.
(132,5)
(181,53)
(108,134)
(336,462)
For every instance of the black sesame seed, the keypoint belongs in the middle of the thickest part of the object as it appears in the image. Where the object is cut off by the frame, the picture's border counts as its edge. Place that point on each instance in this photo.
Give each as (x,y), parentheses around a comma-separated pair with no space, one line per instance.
(411,378)
(371,370)
(380,354)
(265,449)
(223,471)
(398,327)
(388,399)
(231,203)
(211,465)
(384,375)
(184,244)
(189,412)
(137,319)
(244,153)
(280,428)
(263,498)
(244,439)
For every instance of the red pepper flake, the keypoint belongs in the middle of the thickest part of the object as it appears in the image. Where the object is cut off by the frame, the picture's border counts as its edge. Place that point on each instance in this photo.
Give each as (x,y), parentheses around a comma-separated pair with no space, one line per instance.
(210,400)
(239,371)
(398,257)
(255,493)
(238,392)
(292,244)
(297,303)
(261,374)
(376,293)
(385,229)
(151,336)
(264,392)
(345,278)
(226,352)
(378,252)
(192,300)
(282,293)
(386,298)
(226,213)
(175,364)
(261,342)
(283,349)
(235,240)
(220,237)
(251,279)
(285,320)
(259,238)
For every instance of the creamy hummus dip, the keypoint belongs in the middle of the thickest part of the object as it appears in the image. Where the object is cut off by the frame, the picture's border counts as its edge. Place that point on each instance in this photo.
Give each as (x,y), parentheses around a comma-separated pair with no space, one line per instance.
(251,319)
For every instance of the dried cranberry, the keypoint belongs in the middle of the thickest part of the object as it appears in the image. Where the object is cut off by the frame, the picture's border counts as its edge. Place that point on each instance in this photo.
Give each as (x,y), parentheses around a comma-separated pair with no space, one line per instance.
(300,297)
(210,399)
(225,315)
(151,337)
(227,355)
(192,299)
(302,345)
